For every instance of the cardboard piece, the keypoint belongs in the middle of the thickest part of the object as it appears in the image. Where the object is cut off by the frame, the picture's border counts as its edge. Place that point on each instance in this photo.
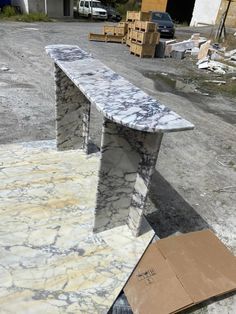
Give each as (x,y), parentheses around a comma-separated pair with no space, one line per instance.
(179,272)
(204,50)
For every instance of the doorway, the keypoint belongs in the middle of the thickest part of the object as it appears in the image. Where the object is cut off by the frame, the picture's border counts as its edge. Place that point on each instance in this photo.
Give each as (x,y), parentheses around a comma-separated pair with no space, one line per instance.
(66,7)
(181,11)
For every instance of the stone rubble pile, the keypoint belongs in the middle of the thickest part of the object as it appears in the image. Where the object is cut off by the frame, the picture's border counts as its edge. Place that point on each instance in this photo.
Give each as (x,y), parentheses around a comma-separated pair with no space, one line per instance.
(210,56)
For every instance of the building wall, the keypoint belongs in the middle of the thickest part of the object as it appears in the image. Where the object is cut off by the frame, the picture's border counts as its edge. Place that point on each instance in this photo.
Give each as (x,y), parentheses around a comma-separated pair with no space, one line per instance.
(36,6)
(154,5)
(23,4)
(55,8)
(205,12)
(231,17)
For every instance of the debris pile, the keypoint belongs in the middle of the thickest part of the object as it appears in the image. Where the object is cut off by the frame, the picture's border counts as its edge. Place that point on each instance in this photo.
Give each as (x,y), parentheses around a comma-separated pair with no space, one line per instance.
(179,49)
(209,55)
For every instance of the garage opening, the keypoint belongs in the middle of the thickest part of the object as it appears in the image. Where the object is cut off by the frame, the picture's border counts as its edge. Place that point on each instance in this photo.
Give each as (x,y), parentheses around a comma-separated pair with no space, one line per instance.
(66,5)
(181,11)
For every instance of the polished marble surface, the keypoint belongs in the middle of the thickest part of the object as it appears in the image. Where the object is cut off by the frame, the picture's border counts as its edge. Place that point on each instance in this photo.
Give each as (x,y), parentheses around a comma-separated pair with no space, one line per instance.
(128,159)
(72,114)
(118,99)
(50,260)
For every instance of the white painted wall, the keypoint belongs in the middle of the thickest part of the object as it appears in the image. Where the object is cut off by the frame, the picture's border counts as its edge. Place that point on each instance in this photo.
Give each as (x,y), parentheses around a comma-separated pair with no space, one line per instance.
(205,12)
(36,6)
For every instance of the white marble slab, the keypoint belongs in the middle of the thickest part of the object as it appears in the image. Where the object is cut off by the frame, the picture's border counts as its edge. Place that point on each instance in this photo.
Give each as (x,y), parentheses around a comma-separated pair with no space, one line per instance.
(118,99)
(50,260)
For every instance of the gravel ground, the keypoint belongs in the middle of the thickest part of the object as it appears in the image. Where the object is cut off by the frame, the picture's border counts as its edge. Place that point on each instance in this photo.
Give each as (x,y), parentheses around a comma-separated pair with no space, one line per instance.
(194,186)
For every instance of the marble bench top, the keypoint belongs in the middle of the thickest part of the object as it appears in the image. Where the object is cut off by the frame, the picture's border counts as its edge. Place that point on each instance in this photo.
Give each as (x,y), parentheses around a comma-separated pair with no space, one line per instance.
(117,99)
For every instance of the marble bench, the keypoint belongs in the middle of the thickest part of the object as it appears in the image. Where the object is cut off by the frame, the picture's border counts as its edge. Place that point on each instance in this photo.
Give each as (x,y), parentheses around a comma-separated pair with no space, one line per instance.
(133,127)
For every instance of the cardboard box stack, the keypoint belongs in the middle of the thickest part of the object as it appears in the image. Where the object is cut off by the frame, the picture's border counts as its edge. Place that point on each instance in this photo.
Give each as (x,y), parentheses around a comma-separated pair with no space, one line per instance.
(142,35)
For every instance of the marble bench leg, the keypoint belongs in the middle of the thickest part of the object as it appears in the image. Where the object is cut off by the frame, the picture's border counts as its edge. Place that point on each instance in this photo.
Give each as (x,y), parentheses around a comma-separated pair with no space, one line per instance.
(128,158)
(148,157)
(72,114)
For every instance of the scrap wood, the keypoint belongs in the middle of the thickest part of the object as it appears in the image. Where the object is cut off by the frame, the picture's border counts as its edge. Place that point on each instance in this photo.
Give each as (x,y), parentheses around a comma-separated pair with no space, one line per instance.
(221,68)
(107,38)
(215,66)
(226,189)
(215,81)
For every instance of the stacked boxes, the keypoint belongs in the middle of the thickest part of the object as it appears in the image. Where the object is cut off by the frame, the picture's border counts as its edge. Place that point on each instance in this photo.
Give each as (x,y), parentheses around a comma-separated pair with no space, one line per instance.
(128,36)
(111,33)
(142,35)
(138,32)
(119,30)
(133,16)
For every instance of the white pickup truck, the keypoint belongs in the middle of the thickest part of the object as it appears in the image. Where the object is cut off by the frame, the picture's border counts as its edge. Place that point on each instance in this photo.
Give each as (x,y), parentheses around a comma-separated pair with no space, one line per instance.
(92,9)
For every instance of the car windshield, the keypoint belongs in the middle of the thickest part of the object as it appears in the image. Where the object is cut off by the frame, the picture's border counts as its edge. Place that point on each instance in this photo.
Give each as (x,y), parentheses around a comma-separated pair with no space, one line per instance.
(160,16)
(95,4)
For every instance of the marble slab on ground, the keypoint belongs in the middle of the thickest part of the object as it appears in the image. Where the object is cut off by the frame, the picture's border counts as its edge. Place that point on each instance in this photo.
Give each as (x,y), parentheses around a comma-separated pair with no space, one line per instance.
(50,261)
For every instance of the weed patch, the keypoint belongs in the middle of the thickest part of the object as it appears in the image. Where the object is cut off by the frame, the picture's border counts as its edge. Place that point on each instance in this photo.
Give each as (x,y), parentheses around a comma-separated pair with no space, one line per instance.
(10,14)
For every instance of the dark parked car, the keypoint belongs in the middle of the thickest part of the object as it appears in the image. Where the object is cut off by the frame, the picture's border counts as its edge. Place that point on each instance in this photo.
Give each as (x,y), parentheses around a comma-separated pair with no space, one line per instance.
(165,24)
(112,14)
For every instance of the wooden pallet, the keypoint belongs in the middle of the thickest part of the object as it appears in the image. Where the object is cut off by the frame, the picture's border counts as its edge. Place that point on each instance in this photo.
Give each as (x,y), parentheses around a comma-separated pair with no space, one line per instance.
(107,38)
(132,16)
(115,38)
(97,37)
(143,51)
(145,26)
(150,38)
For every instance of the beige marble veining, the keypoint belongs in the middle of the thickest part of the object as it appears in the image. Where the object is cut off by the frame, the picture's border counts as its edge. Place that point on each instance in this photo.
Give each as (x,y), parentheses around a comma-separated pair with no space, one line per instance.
(50,261)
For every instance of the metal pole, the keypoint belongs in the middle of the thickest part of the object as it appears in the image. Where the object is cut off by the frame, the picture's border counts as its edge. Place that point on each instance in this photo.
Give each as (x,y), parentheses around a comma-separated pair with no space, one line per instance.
(223,24)
(46,7)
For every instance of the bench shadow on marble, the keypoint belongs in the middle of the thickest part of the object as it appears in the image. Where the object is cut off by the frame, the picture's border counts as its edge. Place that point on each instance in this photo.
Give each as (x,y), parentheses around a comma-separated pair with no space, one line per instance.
(133,127)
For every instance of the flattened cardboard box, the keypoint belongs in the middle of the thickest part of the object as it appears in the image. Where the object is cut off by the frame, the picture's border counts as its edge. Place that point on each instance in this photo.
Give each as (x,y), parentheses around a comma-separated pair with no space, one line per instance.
(179,272)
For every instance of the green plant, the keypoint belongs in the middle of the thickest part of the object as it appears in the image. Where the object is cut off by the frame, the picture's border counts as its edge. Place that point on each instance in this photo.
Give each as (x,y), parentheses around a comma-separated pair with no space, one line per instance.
(33,17)
(9,14)
(8,11)
(131,5)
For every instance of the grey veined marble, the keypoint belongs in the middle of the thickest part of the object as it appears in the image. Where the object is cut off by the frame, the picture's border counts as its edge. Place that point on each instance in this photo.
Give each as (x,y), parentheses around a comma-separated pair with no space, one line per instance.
(72,114)
(118,99)
(133,128)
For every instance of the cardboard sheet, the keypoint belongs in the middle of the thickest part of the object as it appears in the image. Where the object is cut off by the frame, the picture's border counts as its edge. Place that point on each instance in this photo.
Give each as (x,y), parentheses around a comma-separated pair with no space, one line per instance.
(180,271)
